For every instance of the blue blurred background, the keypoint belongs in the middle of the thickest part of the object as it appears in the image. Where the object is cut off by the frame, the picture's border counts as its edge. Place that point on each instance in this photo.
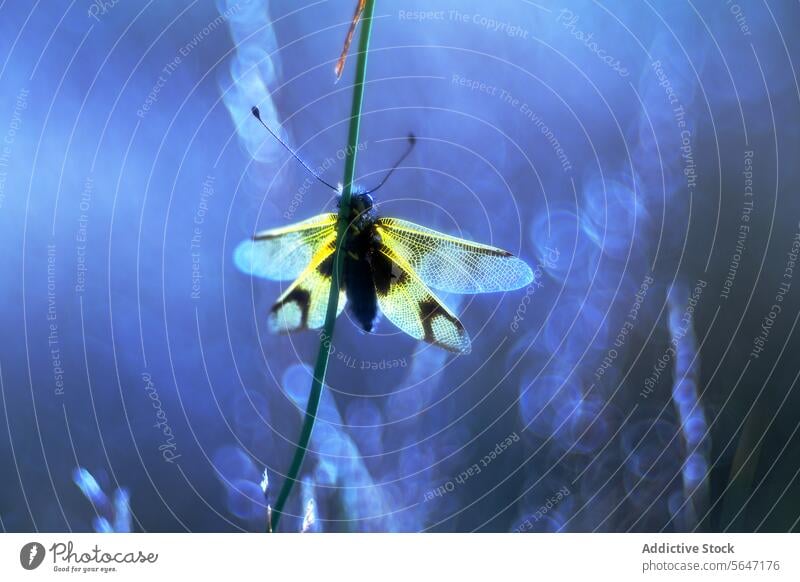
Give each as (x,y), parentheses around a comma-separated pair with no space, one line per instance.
(640,156)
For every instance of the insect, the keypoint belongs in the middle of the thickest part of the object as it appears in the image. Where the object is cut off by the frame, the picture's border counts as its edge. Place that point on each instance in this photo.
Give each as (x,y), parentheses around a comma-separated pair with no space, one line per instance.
(390,266)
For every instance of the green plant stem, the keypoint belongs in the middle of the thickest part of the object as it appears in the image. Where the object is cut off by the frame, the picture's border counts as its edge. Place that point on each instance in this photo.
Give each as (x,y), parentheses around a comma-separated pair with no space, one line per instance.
(321,365)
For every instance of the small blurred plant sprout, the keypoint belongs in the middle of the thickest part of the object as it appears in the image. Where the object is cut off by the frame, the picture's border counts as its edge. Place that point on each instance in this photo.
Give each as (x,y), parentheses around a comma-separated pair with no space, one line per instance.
(310,517)
(112,516)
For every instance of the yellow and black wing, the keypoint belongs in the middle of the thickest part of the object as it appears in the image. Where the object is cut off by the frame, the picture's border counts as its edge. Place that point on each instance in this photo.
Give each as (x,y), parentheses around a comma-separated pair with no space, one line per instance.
(281,254)
(453,264)
(304,303)
(408,303)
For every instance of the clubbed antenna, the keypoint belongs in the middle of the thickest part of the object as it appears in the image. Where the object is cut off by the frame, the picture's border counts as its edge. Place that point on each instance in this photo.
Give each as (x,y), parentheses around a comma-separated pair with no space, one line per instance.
(412,140)
(257,114)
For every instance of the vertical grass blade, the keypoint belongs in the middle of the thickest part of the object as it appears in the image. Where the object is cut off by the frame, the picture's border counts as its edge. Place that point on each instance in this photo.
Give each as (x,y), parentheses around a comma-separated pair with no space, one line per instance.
(321,365)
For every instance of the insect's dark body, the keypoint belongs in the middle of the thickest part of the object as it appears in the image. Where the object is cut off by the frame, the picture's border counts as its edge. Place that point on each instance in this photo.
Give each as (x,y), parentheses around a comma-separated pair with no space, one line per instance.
(365,269)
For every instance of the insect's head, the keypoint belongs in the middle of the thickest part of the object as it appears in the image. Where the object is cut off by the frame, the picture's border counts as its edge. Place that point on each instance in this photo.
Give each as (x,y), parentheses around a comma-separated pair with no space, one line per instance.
(361,202)
(361,207)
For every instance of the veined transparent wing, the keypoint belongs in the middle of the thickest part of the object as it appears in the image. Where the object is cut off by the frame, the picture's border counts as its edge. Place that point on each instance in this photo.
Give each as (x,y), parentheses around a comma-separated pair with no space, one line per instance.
(281,254)
(410,305)
(453,264)
(304,304)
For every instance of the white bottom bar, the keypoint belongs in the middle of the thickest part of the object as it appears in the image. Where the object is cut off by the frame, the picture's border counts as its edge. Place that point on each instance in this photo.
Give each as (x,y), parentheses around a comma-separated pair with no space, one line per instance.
(353,557)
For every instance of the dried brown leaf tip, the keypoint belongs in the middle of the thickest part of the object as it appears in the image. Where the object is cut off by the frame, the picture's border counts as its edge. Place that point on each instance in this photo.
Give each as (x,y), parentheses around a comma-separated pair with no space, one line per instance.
(349,39)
